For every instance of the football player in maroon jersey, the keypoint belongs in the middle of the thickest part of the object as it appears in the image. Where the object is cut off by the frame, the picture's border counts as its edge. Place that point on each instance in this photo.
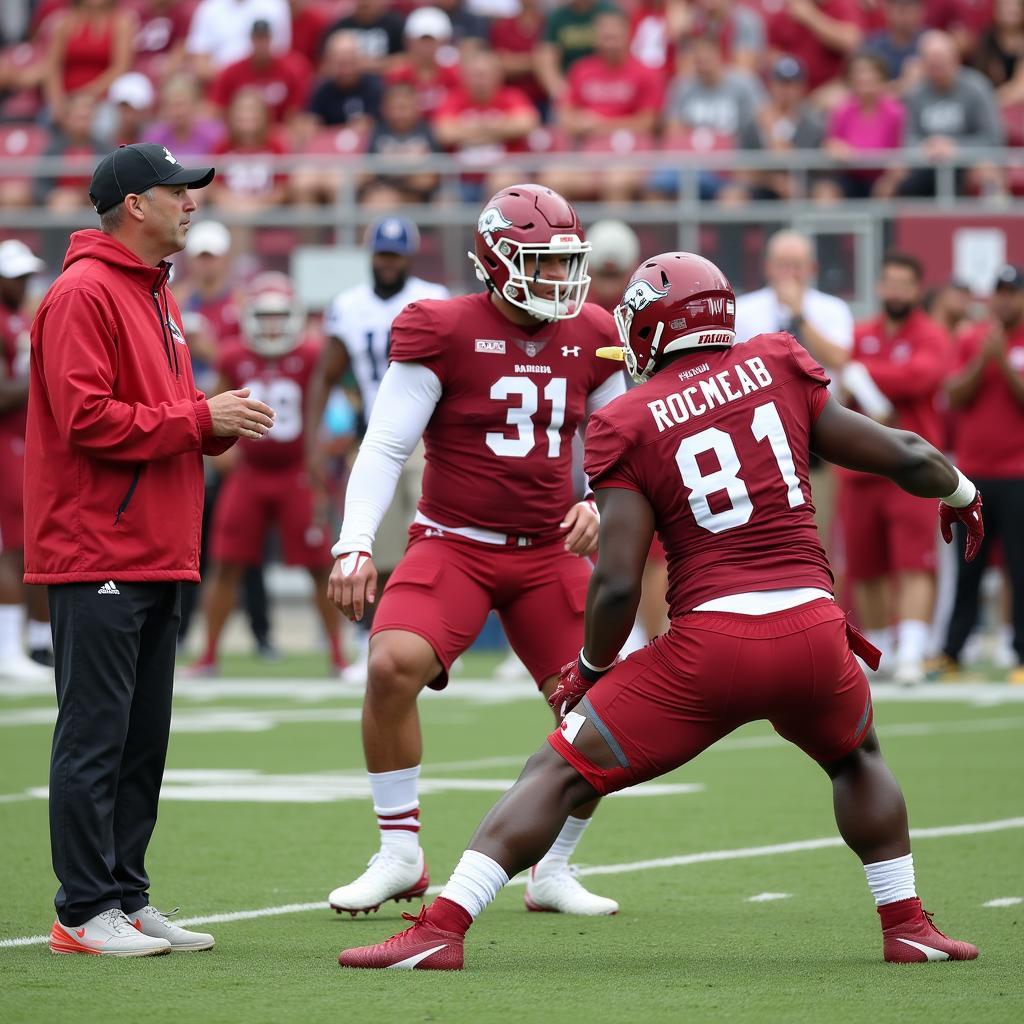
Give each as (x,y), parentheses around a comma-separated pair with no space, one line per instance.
(496,383)
(268,486)
(713,451)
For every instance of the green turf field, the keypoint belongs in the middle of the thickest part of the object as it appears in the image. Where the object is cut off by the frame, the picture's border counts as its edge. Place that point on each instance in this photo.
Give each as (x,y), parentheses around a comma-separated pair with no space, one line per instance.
(265,809)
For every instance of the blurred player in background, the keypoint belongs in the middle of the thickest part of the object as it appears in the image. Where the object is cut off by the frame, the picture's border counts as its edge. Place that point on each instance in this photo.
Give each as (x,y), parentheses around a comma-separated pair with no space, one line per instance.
(496,383)
(268,486)
(987,392)
(899,359)
(211,308)
(715,449)
(358,329)
(17,265)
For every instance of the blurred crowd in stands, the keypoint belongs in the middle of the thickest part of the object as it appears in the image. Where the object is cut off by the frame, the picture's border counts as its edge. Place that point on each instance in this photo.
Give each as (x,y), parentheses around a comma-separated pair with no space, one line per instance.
(251,79)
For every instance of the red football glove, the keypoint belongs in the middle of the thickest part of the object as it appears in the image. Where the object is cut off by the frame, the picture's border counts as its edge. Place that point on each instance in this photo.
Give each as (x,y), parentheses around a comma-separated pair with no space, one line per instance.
(573,682)
(970,516)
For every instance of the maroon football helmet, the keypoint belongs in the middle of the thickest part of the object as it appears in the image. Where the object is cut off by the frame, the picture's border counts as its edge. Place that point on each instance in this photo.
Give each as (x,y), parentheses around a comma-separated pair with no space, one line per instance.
(674,301)
(518,225)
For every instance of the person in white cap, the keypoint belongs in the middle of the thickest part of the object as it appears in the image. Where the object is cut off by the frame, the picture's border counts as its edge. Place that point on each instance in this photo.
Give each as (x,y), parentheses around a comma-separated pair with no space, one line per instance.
(430,63)
(17,265)
(132,97)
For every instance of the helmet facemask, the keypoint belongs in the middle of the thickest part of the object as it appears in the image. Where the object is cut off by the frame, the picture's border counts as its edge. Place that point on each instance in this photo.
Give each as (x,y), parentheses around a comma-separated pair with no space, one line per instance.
(623,315)
(522,261)
(273,324)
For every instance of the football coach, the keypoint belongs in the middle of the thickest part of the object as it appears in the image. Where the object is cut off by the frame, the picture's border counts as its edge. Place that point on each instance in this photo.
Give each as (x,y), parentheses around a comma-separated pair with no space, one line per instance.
(114,500)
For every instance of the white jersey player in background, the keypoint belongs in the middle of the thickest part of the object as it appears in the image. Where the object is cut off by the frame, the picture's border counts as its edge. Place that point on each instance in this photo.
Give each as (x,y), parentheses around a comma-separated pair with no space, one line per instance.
(357,325)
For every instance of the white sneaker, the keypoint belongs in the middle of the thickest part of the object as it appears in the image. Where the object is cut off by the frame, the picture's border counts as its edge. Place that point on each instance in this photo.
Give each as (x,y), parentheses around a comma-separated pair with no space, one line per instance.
(21,668)
(909,673)
(355,674)
(107,934)
(149,921)
(510,669)
(385,878)
(558,892)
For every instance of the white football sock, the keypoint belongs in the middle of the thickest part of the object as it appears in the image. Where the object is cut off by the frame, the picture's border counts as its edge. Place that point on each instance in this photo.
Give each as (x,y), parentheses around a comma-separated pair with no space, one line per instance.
(911,641)
(39,636)
(882,639)
(475,882)
(12,621)
(891,880)
(396,804)
(562,848)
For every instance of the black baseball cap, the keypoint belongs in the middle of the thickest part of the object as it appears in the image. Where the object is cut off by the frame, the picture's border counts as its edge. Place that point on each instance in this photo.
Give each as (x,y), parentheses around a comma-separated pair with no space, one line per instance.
(1010,277)
(135,168)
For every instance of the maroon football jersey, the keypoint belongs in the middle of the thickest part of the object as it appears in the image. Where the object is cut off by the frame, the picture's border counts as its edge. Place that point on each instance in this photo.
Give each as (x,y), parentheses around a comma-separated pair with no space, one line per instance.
(280,382)
(499,445)
(719,444)
(14,356)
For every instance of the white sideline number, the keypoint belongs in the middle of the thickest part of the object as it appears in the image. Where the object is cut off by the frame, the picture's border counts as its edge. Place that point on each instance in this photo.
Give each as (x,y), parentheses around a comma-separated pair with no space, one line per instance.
(521,416)
(766,425)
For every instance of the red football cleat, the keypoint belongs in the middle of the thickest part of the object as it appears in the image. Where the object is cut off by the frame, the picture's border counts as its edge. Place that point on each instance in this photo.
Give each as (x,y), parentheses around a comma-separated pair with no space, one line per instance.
(423,947)
(909,936)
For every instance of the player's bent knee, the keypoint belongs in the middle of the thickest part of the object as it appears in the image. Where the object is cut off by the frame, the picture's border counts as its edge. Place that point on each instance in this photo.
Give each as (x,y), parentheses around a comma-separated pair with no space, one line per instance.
(551,770)
(398,666)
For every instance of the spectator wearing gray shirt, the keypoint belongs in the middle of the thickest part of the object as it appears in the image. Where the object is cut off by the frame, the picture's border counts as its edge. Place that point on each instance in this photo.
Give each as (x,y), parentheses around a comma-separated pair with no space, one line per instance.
(950,111)
(784,122)
(715,99)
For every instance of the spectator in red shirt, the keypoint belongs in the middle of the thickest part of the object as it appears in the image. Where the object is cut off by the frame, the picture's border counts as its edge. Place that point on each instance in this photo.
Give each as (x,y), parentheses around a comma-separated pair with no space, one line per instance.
(611,99)
(821,34)
(403,133)
(482,120)
(516,41)
(246,180)
(92,43)
(282,79)
(160,35)
(430,62)
(987,392)
(899,360)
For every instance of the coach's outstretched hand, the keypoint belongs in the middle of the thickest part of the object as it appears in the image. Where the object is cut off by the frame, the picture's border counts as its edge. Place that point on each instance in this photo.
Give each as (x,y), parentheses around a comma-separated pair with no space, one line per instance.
(235,414)
(970,516)
(353,583)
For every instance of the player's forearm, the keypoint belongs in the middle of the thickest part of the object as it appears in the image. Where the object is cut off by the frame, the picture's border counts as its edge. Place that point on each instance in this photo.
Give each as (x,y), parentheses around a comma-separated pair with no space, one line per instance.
(962,387)
(924,471)
(612,603)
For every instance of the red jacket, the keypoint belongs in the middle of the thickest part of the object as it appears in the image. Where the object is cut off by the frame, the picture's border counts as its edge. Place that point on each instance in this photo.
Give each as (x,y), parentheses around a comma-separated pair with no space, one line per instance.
(116,427)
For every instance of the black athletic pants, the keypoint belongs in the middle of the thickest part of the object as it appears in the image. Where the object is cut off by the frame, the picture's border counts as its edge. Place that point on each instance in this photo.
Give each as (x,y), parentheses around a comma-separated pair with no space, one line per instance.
(1003,511)
(114,647)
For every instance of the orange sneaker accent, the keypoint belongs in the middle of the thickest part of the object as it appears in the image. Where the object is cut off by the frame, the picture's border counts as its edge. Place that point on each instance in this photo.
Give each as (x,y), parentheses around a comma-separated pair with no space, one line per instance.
(61,942)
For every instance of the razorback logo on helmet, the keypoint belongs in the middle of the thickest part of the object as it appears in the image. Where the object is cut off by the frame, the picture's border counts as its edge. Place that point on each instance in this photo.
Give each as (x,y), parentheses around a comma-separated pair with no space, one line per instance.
(492,220)
(640,294)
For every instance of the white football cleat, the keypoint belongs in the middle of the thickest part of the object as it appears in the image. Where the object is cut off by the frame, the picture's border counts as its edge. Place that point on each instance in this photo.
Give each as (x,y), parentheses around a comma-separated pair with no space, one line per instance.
(149,921)
(909,673)
(21,668)
(106,934)
(385,878)
(558,892)
(355,674)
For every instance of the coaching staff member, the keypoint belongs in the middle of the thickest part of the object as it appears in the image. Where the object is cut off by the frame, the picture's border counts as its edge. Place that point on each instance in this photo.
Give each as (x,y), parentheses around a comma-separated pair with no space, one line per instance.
(113,504)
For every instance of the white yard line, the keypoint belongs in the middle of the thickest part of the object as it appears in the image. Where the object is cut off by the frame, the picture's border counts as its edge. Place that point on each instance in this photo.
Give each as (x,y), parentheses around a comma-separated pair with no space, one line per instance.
(684,860)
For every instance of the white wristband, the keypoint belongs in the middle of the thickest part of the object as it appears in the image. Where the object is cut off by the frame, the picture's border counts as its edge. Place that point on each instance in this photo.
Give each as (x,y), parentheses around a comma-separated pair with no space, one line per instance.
(593,668)
(963,495)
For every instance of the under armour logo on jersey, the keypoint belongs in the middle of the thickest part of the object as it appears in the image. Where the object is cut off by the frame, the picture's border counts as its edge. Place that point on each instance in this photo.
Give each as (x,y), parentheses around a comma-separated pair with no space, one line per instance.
(492,220)
(640,294)
(169,156)
(573,351)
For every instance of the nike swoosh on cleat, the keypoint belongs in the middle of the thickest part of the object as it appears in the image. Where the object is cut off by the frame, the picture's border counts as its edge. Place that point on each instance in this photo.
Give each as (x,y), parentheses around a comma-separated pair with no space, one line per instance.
(80,932)
(933,954)
(410,962)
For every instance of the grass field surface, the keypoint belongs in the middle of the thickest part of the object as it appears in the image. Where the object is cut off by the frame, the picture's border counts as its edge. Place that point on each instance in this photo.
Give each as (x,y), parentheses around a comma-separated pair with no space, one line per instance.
(738,901)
